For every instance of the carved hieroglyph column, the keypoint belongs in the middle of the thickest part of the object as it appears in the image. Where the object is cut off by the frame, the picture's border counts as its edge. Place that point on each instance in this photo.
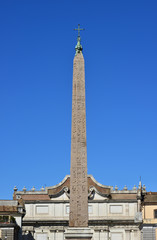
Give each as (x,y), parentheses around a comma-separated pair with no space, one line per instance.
(78,173)
(78,218)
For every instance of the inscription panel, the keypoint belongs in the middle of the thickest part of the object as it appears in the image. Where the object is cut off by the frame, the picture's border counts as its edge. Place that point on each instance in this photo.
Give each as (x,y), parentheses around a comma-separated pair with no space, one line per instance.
(116,236)
(116,209)
(42,209)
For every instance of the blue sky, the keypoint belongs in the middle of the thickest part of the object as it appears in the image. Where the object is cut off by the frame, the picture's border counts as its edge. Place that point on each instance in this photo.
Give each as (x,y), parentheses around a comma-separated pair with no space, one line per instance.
(36,57)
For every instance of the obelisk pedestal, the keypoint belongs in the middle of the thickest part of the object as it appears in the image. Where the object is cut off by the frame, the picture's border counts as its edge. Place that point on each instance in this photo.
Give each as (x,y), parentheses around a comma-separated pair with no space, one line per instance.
(78,218)
(76,233)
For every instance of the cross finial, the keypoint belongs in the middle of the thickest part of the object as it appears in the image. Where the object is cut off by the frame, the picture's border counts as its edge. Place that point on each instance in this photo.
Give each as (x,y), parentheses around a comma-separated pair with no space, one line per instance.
(78,47)
(79,29)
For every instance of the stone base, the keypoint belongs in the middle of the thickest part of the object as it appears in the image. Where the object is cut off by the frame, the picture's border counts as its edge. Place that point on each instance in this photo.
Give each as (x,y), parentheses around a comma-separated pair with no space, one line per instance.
(82,233)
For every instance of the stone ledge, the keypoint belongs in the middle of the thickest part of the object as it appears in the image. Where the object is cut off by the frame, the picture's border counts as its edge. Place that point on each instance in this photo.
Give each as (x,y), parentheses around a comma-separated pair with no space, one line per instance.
(74,232)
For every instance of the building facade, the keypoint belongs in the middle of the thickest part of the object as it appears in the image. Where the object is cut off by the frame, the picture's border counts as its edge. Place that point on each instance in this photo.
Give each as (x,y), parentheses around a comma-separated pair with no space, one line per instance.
(113,214)
(149,212)
(11,214)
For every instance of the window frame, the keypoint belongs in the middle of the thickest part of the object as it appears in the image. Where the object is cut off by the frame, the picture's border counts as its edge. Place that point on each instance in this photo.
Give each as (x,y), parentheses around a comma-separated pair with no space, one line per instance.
(155,213)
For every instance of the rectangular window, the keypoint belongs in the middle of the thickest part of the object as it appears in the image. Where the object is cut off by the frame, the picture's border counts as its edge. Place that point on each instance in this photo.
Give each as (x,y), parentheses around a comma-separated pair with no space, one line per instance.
(155,213)
(90,209)
(67,209)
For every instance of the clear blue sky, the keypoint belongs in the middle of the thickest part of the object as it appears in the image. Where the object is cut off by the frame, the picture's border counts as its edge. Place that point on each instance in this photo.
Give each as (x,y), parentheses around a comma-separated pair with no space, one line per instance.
(36,56)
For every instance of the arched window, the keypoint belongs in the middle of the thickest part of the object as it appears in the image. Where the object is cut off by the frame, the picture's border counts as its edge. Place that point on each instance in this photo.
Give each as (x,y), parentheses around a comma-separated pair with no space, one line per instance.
(155,213)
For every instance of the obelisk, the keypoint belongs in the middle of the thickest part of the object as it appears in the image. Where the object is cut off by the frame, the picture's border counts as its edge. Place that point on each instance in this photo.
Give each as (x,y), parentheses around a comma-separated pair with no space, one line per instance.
(78,218)
(78,171)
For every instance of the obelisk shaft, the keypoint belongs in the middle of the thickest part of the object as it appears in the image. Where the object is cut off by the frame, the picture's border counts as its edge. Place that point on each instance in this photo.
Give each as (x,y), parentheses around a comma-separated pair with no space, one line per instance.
(78,174)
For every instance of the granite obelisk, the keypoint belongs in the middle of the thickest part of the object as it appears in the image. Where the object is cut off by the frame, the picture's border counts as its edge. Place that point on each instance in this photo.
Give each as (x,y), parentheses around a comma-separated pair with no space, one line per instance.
(78,218)
(78,172)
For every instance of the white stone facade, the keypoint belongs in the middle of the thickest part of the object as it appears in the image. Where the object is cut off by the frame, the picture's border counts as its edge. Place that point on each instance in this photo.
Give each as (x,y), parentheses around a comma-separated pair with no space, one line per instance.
(59,210)
(115,216)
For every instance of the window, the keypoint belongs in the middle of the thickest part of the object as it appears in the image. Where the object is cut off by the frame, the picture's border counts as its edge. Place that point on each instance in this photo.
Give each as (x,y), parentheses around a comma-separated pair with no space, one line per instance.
(155,213)
(90,209)
(68,209)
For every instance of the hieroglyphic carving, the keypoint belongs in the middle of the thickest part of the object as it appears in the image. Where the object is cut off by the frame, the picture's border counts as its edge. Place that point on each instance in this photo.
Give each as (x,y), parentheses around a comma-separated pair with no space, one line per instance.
(78,174)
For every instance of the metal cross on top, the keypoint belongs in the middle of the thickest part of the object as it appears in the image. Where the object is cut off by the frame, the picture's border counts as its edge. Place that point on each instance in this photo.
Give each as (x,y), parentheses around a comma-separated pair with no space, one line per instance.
(79,29)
